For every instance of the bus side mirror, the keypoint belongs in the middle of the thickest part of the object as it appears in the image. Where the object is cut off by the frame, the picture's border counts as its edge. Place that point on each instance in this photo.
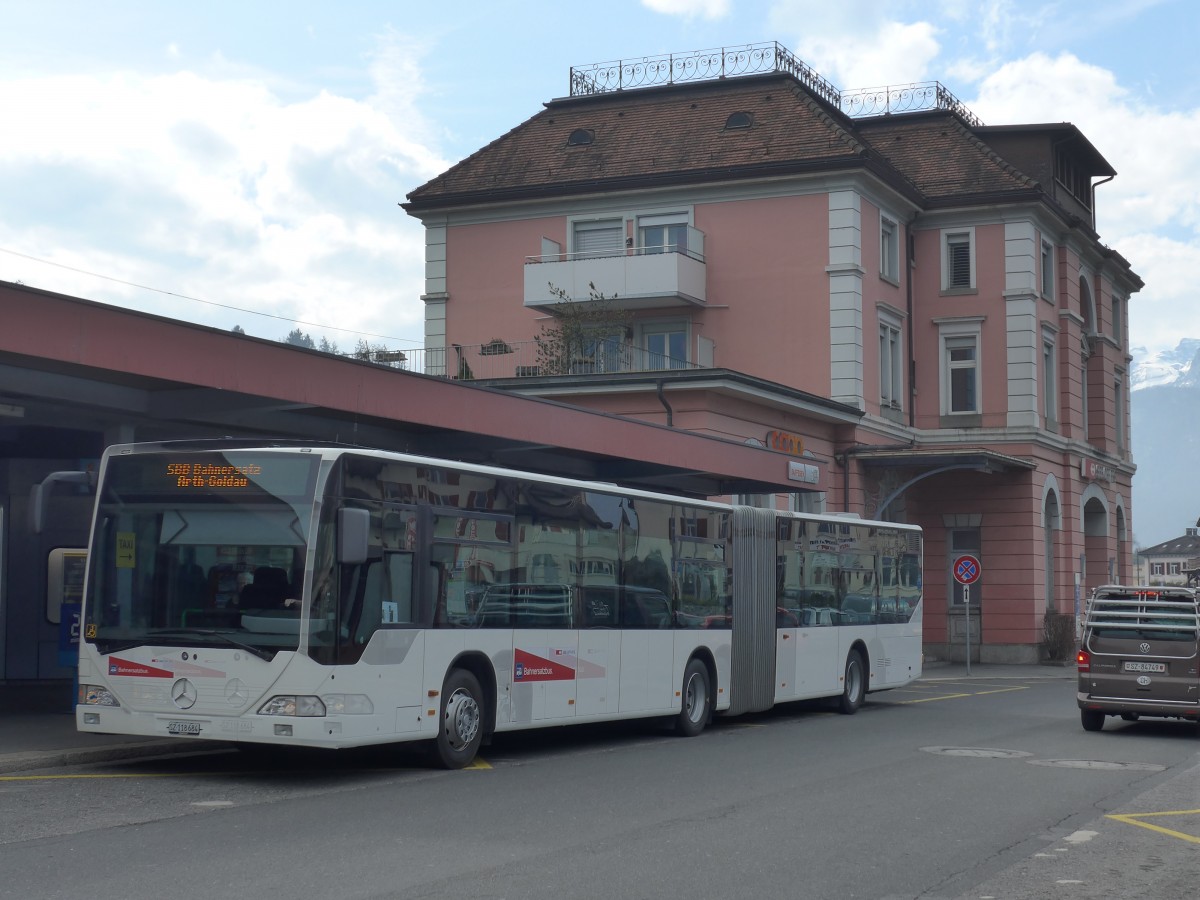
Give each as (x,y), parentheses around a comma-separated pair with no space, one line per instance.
(354,535)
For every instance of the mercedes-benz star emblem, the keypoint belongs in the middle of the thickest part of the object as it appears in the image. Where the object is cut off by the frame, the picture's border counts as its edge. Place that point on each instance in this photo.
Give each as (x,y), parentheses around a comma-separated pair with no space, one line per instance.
(236,692)
(183,694)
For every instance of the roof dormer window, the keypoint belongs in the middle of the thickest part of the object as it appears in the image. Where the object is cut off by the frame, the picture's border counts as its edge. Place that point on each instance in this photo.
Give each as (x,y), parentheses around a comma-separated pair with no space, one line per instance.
(738,120)
(581,137)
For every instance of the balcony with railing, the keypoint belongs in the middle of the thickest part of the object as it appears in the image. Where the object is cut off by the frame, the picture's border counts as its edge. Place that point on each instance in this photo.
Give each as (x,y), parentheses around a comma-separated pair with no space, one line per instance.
(531,359)
(630,278)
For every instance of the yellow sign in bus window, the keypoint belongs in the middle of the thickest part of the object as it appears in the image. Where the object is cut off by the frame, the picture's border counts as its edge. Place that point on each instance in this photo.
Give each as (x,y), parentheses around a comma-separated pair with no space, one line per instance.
(126,550)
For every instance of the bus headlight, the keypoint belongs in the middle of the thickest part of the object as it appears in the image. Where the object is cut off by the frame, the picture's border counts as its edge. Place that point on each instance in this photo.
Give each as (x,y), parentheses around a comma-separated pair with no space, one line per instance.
(293,705)
(348,704)
(96,695)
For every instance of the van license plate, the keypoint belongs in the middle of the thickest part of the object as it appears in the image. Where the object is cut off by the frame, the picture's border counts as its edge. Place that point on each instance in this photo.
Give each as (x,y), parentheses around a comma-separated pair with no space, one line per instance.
(1145,667)
(194,727)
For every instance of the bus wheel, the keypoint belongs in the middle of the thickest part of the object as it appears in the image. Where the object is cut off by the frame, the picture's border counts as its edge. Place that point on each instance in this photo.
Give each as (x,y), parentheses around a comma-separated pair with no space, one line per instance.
(461,729)
(854,685)
(1091,719)
(697,700)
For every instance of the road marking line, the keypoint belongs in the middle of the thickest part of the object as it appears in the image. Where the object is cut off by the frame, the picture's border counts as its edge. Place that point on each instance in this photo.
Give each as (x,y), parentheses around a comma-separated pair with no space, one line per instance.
(1003,690)
(1133,819)
(939,697)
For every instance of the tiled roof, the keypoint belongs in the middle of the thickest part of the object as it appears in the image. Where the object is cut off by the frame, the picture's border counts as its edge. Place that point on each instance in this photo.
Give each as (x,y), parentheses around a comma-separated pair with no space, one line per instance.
(941,155)
(677,133)
(658,133)
(1186,545)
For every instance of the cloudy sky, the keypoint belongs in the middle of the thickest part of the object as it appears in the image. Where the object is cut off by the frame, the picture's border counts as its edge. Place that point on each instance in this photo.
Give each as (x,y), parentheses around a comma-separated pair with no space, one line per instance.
(242,163)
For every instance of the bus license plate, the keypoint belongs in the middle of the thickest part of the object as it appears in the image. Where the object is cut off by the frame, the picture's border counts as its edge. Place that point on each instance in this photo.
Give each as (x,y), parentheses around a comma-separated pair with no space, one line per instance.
(183,728)
(1145,667)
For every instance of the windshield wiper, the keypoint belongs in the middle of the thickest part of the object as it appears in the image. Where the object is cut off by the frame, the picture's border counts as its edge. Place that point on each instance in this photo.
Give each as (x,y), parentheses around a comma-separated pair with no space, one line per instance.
(265,655)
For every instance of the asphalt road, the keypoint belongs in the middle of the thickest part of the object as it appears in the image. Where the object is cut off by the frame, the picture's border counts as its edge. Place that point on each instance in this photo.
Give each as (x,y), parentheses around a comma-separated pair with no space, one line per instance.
(952,788)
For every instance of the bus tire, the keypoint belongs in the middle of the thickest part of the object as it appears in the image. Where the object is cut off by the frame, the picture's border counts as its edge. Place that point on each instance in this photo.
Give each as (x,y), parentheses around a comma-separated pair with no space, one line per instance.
(460,731)
(1091,719)
(854,685)
(697,700)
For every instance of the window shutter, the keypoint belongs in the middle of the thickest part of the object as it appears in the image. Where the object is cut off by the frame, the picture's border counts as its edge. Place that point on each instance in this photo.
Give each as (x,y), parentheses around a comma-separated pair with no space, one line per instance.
(598,237)
(958,249)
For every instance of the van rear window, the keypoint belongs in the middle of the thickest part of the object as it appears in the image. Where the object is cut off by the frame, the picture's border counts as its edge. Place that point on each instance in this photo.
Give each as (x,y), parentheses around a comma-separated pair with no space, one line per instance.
(1144,615)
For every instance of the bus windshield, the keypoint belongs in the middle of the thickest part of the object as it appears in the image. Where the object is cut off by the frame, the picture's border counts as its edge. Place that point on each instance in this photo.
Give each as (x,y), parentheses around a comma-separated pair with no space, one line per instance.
(203,550)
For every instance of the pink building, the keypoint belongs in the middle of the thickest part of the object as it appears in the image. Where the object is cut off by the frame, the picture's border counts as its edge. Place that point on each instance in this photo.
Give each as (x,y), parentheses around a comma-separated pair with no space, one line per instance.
(914,306)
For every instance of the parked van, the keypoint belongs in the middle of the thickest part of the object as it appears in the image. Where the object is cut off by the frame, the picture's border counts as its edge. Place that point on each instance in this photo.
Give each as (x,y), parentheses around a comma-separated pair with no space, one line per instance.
(1139,655)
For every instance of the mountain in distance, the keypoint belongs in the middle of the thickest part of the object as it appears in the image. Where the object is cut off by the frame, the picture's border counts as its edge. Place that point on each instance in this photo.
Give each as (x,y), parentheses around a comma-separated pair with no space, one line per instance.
(1165,420)
(1168,367)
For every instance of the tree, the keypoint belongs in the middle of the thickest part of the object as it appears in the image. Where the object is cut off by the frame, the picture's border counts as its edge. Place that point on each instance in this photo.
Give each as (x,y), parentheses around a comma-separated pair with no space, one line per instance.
(298,338)
(584,336)
(238,329)
(327,346)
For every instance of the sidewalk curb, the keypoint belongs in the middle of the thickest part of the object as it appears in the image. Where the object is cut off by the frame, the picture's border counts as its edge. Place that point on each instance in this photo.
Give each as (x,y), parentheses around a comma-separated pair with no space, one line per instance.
(50,759)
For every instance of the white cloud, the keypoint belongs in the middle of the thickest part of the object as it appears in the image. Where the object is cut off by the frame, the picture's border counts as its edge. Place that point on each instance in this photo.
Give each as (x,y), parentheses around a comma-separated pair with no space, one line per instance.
(215,187)
(1149,213)
(856,45)
(690,9)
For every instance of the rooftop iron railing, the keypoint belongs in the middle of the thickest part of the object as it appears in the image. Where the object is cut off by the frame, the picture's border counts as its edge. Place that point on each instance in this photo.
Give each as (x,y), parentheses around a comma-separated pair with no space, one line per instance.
(757,59)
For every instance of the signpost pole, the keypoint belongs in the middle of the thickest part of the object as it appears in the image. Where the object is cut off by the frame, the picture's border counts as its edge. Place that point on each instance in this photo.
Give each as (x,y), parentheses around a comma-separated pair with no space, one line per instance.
(966,570)
(967,607)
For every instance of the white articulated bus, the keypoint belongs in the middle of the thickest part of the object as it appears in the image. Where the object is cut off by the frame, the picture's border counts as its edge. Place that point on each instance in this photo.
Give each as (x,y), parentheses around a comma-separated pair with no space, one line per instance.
(336,597)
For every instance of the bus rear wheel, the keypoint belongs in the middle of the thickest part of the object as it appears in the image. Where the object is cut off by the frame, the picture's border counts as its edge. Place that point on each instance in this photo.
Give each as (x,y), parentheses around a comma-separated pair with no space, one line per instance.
(461,729)
(854,685)
(697,700)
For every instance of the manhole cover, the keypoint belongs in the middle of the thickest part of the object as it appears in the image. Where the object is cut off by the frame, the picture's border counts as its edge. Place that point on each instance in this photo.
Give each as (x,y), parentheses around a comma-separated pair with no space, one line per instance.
(1098,764)
(981,752)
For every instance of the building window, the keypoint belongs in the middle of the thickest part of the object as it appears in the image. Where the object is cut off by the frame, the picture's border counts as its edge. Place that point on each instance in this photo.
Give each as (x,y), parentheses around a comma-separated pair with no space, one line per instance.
(1172,568)
(1119,411)
(599,237)
(891,363)
(665,345)
(1049,383)
(961,373)
(1083,397)
(808,502)
(889,249)
(1047,270)
(1072,178)
(663,234)
(758,501)
(958,268)
(1156,568)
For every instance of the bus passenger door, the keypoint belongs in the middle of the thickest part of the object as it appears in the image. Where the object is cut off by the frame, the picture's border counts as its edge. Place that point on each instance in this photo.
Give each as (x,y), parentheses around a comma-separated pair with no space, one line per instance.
(648,650)
(818,660)
(786,641)
(545,652)
(598,672)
